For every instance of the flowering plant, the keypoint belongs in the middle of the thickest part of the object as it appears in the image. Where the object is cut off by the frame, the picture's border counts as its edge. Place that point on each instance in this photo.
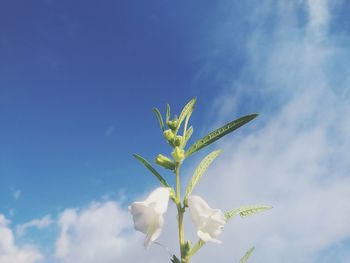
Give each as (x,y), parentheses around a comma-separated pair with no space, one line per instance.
(148,214)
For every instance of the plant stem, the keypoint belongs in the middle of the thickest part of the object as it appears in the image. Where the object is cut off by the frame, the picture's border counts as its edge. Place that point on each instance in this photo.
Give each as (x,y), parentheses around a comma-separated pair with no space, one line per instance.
(180,213)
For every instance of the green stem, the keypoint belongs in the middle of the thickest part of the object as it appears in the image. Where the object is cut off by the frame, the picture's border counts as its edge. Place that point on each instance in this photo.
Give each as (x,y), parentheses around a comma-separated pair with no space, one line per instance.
(180,212)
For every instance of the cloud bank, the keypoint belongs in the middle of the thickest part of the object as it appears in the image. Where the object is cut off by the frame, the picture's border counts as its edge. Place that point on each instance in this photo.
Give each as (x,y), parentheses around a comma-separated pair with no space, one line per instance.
(297,159)
(101,232)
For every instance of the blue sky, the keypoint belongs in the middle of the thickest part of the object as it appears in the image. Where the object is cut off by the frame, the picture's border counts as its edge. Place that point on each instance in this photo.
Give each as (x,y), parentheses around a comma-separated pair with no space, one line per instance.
(78,80)
(78,85)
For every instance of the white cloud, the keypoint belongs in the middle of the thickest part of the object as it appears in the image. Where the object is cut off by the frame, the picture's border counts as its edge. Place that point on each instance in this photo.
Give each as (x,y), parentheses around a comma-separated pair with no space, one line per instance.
(318,12)
(298,159)
(101,232)
(36,223)
(12,253)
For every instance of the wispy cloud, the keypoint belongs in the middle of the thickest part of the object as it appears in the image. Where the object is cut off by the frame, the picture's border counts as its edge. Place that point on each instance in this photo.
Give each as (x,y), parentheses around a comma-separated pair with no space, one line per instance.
(16,193)
(109,131)
(42,223)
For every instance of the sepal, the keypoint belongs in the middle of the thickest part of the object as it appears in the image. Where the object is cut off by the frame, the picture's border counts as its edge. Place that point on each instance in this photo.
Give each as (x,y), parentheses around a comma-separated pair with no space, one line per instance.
(174,259)
(187,248)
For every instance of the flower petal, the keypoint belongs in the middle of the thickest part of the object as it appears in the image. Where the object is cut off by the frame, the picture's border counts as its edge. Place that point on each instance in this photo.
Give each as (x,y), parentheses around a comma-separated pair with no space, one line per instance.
(143,216)
(206,237)
(148,214)
(159,198)
(209,222)
(154,231)
(199,209)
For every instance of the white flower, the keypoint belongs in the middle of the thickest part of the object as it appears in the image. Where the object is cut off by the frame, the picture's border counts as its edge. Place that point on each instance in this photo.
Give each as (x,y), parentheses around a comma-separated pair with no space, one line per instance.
(209,222)
(148,215)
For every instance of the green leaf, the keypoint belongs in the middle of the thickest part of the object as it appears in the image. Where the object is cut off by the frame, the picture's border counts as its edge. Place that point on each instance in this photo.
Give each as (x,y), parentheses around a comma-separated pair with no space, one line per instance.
(245,258)
(201,168)
(186,122)
(152,170)
(167,118)
(218,133)
(186,110)
(247,211)
(159,117)
(187,136)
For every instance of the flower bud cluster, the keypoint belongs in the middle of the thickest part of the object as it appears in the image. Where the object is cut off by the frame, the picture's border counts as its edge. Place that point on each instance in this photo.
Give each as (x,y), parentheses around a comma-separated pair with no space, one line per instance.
(173,139)
(176,141)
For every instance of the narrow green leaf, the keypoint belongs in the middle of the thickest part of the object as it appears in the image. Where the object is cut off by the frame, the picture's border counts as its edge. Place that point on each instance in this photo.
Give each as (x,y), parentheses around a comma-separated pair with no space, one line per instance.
(186,122)
(186,110)
(152,170)
(201,168)
(218,133)
(247,211)
(245,258)
(159,117)
(187,136)
(167,118)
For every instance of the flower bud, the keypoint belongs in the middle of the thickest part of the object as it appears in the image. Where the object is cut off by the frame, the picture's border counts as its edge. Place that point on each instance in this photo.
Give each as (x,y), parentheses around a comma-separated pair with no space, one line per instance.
(178,140)
(169,135)
(178,154)
(165,162)
(173,124)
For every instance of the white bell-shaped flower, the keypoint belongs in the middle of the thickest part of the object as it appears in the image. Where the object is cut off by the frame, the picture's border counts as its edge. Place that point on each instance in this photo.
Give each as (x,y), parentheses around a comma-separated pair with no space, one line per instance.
(210,222)
(148,215)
